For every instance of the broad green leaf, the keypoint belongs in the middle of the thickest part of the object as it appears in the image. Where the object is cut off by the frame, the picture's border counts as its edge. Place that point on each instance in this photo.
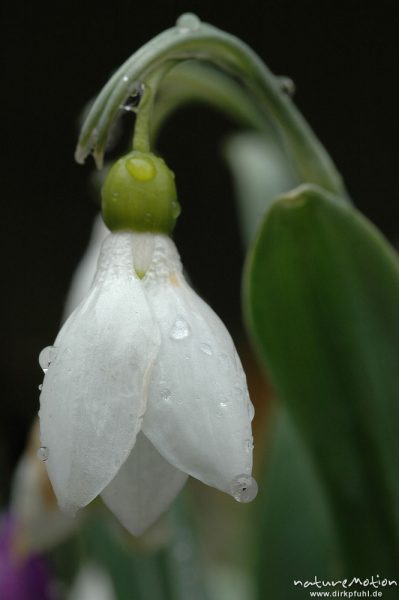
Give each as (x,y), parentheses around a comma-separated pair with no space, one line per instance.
(165,565)
(296,538)
(322,304)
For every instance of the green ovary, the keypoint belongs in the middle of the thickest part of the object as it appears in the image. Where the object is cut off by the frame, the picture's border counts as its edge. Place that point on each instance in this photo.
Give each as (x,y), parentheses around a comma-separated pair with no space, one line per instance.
(139,194)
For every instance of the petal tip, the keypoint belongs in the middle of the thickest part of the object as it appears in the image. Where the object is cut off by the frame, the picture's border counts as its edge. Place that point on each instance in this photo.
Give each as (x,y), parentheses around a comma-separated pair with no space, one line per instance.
(68,508)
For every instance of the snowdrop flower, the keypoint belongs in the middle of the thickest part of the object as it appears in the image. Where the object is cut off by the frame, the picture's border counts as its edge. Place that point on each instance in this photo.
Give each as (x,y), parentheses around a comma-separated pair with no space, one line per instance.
(143,385)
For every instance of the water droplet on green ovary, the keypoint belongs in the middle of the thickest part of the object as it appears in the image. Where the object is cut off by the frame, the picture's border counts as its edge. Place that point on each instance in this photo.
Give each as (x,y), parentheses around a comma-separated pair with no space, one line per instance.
(141,169)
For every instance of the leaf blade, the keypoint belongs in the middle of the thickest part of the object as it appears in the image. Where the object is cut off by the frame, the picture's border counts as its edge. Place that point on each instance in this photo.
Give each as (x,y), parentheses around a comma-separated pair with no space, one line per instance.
(322,291)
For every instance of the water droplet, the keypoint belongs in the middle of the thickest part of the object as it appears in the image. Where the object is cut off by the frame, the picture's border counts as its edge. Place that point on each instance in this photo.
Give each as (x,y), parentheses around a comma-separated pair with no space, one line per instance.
(40,386)
(180,329)
(251,410)
(46,356)
(132,102)
(141,169)
(206,349)
(244,488)
(287,86)
(188,22)
(125,78)
(166,396)
(223,404)
(176,209)
(129,106)
(223,401)
(42,453)
(249,445)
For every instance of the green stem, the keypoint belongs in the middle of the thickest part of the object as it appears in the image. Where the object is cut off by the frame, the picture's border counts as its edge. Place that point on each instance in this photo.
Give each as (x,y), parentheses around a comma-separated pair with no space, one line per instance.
(141,136)
(142,129)
(226,52)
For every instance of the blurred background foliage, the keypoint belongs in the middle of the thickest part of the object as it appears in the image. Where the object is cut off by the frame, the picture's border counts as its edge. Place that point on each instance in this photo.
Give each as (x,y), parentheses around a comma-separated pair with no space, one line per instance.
(326,322)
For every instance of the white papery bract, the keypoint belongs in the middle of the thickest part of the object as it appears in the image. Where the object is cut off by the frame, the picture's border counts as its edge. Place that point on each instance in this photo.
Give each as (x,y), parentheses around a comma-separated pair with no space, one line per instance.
(144,355)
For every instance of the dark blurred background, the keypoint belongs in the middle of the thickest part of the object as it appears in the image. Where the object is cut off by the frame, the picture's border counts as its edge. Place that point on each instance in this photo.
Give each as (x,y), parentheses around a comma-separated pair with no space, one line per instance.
(343,58)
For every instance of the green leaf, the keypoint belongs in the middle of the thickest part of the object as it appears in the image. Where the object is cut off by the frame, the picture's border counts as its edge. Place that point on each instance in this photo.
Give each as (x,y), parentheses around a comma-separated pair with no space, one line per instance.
(322,304)
(296,538)
(193,81)
(170,569)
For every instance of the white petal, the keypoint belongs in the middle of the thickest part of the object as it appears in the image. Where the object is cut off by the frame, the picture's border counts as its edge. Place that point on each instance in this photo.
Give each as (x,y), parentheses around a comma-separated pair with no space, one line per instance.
(86,269)
(144,487)
(93,396)
(199,413)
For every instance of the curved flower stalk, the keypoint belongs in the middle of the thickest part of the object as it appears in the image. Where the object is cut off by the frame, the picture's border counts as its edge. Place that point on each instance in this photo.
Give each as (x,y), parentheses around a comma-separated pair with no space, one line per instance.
(142,387)
(192,39)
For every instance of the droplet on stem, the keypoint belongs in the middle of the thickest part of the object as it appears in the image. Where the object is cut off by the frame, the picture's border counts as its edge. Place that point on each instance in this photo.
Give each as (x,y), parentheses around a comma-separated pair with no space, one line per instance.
(287,86)
(188,22)
(132,102)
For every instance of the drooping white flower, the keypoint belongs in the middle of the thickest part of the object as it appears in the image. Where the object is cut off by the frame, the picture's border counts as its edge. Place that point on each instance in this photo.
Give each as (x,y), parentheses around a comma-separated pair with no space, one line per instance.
(143,387)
